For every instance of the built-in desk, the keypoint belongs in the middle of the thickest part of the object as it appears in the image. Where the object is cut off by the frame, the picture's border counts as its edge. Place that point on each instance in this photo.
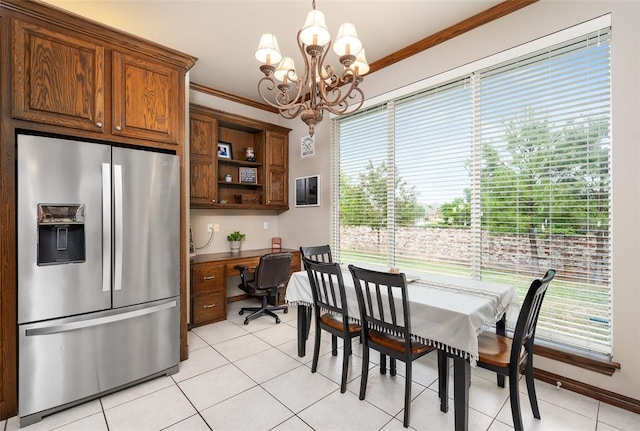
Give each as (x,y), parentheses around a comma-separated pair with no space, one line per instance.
(209,274)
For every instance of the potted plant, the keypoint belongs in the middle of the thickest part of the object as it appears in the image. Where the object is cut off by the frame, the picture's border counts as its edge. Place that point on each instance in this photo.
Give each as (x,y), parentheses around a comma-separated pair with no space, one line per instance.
(235,239)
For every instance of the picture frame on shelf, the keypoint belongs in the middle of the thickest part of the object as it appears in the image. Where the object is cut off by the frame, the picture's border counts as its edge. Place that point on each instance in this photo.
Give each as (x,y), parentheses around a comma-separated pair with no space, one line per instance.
(308,191)
(248,175)
(224,150)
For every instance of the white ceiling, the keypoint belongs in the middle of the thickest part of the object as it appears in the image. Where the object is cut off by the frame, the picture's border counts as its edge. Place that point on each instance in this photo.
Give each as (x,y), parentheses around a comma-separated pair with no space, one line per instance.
(223,34)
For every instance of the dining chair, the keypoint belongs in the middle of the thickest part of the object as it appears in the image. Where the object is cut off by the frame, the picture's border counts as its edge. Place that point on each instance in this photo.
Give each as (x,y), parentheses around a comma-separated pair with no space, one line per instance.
(270,277)
(509,356)
(385,318)
(332,315)
(319,253)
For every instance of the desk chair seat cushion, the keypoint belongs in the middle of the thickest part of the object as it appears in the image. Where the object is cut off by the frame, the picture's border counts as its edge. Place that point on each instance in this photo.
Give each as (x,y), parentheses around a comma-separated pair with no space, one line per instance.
(252,289)
(397,343)
(336,323)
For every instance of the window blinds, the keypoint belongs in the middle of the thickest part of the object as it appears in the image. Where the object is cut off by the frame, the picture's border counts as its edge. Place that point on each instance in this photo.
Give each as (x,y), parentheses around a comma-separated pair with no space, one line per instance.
(497,175)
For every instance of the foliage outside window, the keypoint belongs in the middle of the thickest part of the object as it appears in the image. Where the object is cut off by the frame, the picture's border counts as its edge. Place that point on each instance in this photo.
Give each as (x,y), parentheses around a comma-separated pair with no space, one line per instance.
(497,175)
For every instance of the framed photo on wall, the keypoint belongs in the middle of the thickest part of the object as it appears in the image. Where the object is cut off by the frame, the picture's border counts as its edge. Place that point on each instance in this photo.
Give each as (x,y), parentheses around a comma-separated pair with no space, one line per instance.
(307,146)
(224,150)
(308,191)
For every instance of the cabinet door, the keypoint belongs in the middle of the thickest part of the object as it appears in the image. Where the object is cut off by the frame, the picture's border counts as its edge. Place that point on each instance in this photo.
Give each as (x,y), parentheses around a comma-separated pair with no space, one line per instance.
(203,159)
(57,78)
(276,164)
(145,99)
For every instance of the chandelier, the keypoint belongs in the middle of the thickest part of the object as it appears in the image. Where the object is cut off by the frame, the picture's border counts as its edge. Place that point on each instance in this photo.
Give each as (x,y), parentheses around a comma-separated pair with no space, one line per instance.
(319,87)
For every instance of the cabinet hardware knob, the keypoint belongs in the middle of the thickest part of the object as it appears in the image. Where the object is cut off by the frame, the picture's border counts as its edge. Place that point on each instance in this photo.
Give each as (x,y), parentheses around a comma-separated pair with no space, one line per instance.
(209,306)
(213,200)
(99,124)
(118,128)
(209,277)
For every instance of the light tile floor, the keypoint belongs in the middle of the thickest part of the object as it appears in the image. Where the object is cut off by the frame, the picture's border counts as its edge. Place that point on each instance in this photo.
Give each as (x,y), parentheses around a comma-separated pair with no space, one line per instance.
(250,378)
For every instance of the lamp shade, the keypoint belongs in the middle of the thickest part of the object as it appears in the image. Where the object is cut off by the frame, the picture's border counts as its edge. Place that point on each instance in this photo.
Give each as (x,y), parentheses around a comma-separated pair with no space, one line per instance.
(268,51)
(360,64)
(315,31)
(347,42)
(282,72)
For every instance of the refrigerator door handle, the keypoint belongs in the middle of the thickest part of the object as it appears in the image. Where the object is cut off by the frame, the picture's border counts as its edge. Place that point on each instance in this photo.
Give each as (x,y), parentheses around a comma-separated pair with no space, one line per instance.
(66,327)
(106,227)
(117,265)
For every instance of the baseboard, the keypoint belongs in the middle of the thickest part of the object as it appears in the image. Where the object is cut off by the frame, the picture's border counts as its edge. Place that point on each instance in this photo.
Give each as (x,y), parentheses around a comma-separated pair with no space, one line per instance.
(599,394)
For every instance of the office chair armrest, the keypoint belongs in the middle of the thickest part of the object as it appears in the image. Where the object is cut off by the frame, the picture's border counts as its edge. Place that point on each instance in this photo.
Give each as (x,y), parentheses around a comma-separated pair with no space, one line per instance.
(243,272)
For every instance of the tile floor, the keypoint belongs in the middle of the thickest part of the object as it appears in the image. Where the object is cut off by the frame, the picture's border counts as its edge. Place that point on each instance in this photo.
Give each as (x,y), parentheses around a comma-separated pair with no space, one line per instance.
(249,377)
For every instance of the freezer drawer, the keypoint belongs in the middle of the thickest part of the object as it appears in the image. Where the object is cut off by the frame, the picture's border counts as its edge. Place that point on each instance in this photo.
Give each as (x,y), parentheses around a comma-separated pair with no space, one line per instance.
(66,360)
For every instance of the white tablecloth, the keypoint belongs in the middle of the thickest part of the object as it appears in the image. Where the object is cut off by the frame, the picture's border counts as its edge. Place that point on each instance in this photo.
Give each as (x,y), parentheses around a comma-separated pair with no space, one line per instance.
(446,312)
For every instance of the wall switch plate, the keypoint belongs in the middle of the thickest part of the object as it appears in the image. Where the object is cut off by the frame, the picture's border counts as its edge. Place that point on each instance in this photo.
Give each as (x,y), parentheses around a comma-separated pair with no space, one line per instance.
(216,227)
(265,225)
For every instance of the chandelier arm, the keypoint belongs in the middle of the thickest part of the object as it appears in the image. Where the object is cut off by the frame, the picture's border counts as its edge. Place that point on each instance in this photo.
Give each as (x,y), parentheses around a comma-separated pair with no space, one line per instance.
(345,106)
(343,95)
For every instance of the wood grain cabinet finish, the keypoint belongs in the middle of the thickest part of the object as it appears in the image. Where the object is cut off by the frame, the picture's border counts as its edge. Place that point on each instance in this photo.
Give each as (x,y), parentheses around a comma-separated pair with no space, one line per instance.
(277,184)
(202,149)
(144,99)
(210,188)
(58,78)
(209,294)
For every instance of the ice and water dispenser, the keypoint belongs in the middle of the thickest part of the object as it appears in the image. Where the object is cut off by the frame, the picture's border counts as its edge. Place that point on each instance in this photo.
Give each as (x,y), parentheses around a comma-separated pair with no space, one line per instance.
(61,237)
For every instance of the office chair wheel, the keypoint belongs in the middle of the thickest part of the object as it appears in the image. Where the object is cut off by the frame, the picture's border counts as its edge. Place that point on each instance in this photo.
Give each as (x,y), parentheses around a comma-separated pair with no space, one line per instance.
(286,310)
(241,312)
(277,320)
(246,321)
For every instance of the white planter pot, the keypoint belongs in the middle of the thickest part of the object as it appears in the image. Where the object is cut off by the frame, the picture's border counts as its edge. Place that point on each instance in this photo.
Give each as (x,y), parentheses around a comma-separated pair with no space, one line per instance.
(235,246)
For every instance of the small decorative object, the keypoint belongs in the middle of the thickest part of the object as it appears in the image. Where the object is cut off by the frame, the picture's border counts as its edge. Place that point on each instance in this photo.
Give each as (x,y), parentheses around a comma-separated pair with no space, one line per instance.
(276,243)
(394,270)
(248,199)
(223,202)
(224,150)
(249,154)
(228,178)
(248,175)
(307,146)
(235,240)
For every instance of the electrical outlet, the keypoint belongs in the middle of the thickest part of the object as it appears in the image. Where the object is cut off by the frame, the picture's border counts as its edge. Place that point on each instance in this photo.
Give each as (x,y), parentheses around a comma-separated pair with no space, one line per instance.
(265,225)
(216,227)
(210,227)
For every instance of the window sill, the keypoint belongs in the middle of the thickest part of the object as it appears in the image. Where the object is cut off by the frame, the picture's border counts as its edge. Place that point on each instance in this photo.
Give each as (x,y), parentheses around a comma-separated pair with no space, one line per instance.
(598,363)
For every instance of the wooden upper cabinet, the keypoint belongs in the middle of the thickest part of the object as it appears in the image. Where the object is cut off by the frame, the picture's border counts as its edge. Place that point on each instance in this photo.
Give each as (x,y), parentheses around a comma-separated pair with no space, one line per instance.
(203,158)
(276,168)
(144,99)
(58,78)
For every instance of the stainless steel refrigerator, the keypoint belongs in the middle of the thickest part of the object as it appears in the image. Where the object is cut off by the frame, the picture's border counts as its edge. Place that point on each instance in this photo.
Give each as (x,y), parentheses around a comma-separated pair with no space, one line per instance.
(98,270)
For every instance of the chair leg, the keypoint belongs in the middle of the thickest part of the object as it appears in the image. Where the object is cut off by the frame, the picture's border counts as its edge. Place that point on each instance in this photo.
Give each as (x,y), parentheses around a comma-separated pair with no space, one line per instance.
(365,371)
(346,352)
(407,392)
(443,380)
(514,396)
(316,348)
(531,388)
(392,366)
(383,363)
(334,345)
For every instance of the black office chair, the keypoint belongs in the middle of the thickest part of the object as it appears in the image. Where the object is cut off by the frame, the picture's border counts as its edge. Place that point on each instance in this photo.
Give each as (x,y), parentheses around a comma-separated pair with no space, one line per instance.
(386,326)
(318,253)
(271,276)
(332,315)
(508,356)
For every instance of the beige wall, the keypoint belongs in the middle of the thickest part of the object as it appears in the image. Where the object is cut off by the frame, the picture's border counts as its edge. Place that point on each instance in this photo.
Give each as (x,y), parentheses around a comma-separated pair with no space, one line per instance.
(312,225)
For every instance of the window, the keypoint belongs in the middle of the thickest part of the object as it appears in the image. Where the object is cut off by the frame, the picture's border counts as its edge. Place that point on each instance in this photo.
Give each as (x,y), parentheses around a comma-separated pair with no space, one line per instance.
(499,174)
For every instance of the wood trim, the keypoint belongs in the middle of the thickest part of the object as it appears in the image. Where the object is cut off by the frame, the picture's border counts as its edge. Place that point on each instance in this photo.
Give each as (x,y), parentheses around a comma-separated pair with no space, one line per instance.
(599,394)
(576,358)
(477,20)
(221,94)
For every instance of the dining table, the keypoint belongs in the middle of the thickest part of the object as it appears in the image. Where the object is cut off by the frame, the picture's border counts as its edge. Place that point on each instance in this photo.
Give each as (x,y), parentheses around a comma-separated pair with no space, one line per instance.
(447,312)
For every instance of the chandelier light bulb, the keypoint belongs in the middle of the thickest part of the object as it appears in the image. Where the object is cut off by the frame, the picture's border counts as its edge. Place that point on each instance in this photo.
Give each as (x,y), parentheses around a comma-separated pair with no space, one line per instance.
(282,72)
(347,42)
(360,66)
(268,51)
(315,30)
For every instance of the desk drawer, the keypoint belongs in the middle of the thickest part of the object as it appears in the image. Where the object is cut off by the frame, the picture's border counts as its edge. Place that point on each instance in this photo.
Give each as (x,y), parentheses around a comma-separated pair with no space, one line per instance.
(208,308)
(251,262)
(208,278)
